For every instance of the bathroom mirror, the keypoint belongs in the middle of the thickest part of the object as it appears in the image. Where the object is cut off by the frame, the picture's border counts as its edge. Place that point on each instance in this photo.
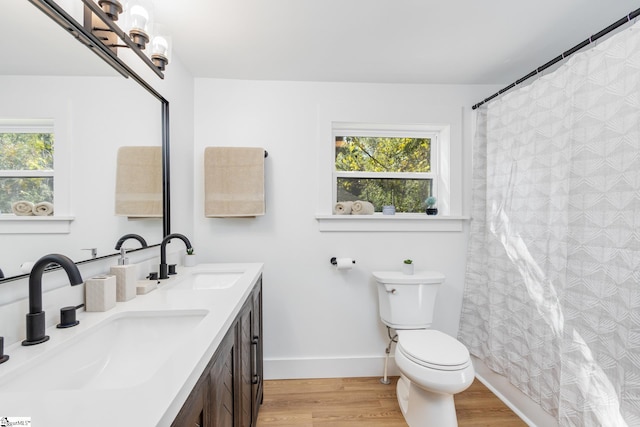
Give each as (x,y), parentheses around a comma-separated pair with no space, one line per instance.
(47,74)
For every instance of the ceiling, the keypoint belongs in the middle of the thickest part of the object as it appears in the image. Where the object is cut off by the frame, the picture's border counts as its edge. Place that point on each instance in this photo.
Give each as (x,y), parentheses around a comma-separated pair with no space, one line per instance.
(387,41)
(381,41)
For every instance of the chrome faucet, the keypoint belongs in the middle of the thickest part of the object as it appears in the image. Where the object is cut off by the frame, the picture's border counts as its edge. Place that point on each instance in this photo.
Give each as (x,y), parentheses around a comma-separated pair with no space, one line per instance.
(35,317)
(164,268)
(130,236)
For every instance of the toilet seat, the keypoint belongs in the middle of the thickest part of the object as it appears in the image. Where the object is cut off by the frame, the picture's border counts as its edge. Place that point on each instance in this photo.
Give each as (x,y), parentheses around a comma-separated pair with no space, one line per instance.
(433,349)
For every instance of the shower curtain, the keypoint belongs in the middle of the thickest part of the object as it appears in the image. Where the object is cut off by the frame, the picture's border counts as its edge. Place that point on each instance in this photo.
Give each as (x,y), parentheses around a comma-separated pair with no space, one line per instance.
(552,289)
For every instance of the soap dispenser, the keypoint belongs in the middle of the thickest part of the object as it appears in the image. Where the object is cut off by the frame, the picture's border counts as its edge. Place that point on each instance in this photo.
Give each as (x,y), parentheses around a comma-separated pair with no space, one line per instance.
(126,277)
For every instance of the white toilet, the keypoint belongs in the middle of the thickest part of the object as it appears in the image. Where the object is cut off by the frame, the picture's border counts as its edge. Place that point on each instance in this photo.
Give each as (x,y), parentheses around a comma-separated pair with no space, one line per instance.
(433,365)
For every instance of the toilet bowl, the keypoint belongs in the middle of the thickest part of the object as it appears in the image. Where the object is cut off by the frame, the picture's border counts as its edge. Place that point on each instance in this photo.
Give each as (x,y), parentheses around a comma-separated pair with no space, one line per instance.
(433,365)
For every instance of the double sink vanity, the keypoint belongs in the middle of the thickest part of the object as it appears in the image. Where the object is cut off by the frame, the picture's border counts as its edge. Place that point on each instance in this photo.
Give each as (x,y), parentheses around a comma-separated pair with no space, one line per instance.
(189,353)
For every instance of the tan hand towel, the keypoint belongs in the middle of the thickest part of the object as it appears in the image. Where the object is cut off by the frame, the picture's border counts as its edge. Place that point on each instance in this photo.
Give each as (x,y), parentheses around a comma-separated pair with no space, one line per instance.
(139,182)
(343,208)
(361,207)
(234,182)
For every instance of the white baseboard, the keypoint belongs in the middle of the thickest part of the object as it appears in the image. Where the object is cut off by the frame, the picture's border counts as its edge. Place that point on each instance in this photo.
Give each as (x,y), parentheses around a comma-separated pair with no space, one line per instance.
(338,367)
(521,404)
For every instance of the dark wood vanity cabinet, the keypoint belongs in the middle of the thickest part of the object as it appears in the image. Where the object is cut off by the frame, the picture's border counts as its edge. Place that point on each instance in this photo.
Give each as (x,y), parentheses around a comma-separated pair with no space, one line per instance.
(221,406)
(229,391)
(256,343)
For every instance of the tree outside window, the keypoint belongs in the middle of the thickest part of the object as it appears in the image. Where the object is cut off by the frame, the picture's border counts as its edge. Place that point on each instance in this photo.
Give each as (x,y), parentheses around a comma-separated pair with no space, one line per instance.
(384,171)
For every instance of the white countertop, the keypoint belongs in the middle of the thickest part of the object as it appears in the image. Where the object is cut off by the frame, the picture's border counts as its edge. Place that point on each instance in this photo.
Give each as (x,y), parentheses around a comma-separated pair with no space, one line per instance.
(155,402)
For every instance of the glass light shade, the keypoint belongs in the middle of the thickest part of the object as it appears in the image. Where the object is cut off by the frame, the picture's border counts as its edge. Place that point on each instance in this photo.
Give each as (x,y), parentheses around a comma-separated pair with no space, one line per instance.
(160,47)
(139,18)
(139,21)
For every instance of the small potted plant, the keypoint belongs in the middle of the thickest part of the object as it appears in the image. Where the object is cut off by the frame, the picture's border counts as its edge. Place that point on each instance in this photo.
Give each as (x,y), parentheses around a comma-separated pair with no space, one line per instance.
(407,267)
(190,258)
(431,203)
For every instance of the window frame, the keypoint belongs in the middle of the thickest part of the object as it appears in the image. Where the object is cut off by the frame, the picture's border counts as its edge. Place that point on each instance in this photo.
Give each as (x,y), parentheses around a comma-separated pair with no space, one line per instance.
(449,119)
(440,141)
(30,126)
(60,222)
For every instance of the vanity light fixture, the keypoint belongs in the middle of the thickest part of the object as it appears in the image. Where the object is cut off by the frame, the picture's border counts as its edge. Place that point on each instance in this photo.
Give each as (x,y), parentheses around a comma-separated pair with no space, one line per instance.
(112,8)
(100,19)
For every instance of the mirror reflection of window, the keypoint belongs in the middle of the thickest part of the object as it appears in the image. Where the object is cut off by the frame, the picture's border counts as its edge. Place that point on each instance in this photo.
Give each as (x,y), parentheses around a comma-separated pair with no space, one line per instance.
(26,162)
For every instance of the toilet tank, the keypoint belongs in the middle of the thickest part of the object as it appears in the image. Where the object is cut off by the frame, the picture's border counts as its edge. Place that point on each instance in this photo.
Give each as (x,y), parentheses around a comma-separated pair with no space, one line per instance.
(407,301)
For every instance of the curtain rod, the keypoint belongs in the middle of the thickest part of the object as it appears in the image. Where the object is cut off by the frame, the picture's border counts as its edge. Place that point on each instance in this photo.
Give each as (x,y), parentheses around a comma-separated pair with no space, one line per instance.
(564,55)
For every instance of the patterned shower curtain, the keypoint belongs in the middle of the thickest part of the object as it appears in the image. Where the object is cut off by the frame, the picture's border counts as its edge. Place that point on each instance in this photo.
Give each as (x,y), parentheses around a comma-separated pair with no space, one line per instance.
(552,292)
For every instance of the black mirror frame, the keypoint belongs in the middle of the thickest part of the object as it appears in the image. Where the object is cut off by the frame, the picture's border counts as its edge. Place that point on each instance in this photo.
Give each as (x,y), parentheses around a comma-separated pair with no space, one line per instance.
(55,12)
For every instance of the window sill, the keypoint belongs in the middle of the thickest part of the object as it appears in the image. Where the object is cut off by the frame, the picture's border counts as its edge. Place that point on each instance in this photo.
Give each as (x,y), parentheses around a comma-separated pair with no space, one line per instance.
(12,224)
(397,222)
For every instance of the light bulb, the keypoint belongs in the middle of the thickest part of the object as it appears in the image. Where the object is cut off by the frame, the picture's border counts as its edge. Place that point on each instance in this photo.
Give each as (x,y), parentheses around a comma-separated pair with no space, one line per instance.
(160,45)
(139,17)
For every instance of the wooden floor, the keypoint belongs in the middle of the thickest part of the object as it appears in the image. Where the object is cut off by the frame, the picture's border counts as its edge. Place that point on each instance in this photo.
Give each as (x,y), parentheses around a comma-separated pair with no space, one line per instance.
(342,402)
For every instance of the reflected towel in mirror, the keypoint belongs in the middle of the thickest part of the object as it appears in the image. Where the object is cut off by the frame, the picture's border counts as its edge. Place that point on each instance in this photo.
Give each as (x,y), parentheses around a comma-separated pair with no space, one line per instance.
(139,182)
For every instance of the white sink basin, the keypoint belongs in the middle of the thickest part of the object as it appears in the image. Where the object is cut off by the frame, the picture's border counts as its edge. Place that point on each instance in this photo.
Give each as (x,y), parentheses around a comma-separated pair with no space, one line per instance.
(205,279)
(123,351)
(215,279)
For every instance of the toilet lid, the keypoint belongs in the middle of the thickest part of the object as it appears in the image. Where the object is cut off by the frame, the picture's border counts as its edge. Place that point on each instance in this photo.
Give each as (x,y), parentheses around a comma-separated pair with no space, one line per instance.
(433,349)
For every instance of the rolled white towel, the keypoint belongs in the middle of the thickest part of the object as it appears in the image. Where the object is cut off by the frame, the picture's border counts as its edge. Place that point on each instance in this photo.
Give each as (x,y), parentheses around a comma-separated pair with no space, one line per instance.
(43,209)
(343,208)
(361,207)
(22,208)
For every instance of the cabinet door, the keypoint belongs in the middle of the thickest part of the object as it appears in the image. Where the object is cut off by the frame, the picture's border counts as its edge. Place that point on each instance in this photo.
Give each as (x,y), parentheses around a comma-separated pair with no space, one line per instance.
(256,343)
(192,413)
(246,364)
(222,383)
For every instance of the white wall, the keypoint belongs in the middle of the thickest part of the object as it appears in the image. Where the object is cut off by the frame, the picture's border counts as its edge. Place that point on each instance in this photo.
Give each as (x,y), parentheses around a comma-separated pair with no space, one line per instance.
(319,321)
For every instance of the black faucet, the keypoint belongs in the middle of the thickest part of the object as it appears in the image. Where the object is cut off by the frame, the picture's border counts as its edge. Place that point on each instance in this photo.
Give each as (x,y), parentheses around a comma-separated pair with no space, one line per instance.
(35,317)
(131,236)
(164,268)
(3,357)
(1,274)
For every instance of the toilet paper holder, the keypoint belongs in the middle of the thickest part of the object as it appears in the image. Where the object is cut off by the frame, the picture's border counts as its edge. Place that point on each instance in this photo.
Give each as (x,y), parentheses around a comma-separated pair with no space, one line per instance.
(334,261)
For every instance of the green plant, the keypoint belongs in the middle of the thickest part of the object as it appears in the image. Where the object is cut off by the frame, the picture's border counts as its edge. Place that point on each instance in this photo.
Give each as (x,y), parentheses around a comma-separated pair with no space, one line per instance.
(408,261)
(431,201)
(189,251)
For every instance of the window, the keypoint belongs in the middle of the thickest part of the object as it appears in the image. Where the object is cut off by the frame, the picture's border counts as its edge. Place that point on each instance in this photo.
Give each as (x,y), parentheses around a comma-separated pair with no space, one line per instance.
(26,162)
(385,166)
(442,179)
